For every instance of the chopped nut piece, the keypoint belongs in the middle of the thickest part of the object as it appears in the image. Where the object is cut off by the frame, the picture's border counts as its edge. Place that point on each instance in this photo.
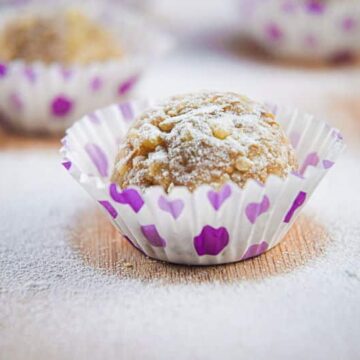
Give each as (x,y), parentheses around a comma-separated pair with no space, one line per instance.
(274,169)
(220,132)
(171,113)
(155,168)
(272,122)
(254,151)
(229,170)
(151,143)
(121,171)
(166,125)
(150,137)
(268,115)
(243,164)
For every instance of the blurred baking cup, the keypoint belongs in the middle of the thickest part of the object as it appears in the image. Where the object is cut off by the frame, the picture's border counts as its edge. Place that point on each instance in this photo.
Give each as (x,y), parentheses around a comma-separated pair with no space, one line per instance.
(206,226)
(47,98)
(304,29)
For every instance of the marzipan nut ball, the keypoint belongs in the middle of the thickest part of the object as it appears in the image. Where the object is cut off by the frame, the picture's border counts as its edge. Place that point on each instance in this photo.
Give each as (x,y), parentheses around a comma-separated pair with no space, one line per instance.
(67,37)
(203,138)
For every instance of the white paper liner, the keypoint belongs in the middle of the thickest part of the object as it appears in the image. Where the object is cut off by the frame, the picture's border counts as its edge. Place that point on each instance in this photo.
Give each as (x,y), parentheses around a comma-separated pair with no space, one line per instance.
(47,98)
(306,29)
(207,226)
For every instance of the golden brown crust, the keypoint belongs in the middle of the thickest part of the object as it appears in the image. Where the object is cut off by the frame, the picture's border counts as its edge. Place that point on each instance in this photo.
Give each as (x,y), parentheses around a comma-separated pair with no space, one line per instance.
(203,138)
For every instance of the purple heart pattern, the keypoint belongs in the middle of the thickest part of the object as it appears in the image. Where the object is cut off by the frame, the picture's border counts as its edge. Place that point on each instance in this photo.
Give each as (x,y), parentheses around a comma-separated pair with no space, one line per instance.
(109,208)
(152,235)
(96,84)
(315,7)
(61,106)
(327,164)
(173,207)
(255,250)
(3,70)
(98,158)
(66,73)
(217,198)
(311,160)
(30,74)
(126,111)
(94,118)
(254,209)
(298,202)
(211,241)
(127,85)
(66,165)
(129,197)
(16,101)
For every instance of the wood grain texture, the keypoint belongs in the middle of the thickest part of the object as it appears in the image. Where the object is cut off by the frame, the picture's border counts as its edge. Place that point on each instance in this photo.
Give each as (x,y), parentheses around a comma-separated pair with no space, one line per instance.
(101,246)
(11,140)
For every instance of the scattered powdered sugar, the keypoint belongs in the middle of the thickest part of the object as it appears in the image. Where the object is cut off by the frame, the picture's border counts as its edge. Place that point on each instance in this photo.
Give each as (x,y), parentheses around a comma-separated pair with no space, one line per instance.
(203,138)
(53,306)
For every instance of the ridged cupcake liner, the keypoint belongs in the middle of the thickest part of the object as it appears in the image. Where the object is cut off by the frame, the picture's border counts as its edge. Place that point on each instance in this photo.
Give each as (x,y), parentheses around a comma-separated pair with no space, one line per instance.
(206,226)
(306,29)
(48,98)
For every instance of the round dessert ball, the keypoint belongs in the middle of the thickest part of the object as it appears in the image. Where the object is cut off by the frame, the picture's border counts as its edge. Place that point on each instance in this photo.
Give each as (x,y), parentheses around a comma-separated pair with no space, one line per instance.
(203,138)
(67,36)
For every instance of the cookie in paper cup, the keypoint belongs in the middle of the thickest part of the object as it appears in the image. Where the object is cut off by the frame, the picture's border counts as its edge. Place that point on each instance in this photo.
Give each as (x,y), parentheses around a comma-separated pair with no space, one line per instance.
(314,30)
(206,226)
(46,97)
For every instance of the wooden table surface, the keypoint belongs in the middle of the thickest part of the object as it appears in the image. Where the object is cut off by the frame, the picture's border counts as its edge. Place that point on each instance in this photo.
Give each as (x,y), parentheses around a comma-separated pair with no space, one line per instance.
(72,288)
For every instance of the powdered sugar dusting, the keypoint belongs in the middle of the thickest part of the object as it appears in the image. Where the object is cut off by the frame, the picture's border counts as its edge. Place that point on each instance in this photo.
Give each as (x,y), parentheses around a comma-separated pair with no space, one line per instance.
(203,138)
(54,306)
(57,307)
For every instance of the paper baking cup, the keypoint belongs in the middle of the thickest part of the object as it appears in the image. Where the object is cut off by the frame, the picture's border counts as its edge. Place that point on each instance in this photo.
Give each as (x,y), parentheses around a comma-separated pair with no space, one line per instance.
(306,29)
(206,226)
(45,98)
